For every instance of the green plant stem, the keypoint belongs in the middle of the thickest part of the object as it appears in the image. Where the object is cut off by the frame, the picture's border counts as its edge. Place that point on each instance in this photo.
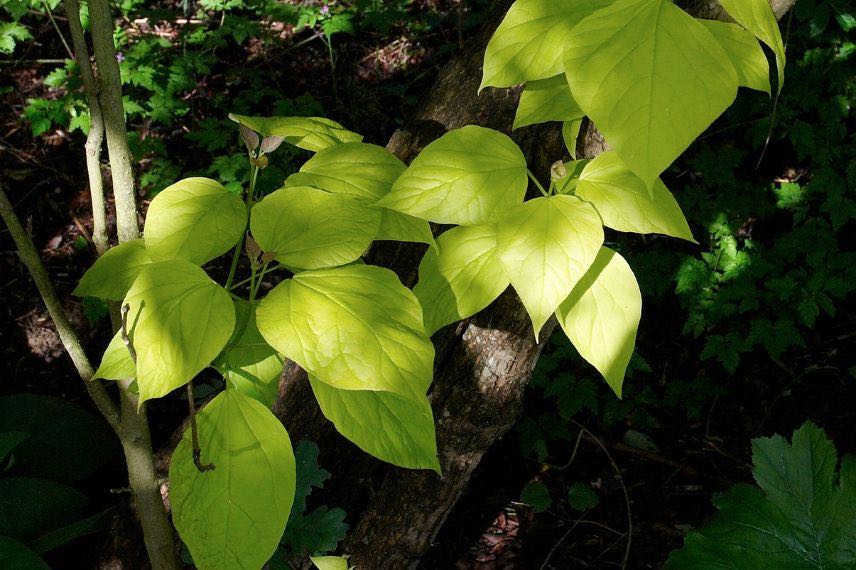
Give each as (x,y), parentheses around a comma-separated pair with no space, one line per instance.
(538,184)
(58,31)
(95,137)
(236,254)
(110,96)
(70,341)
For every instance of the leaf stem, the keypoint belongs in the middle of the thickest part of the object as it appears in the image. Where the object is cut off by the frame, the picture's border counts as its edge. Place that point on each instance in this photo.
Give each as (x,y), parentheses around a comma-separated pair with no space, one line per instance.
(538,184)
(194,433)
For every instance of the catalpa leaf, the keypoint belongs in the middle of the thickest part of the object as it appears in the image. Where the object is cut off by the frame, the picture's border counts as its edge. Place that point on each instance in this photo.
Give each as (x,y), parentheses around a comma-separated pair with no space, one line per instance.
(526,45)
(195,219)
(179,320)
(329,562)
(116,364)
(395,226)
(651,77)
(546,246)
(570,134)
(468,176)
(758,17)
(360,169)
(354,327)
(233,516)
(311,229)
(745,52)
(462,278)
(601,316)
(309,133)
(546,100)
(625,204)
(800,516)
(392,428)
(250,365)
(113,273)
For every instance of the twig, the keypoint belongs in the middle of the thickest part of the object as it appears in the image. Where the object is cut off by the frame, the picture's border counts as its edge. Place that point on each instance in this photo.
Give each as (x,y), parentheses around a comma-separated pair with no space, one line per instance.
(58,31)
(70,341)
(623,488)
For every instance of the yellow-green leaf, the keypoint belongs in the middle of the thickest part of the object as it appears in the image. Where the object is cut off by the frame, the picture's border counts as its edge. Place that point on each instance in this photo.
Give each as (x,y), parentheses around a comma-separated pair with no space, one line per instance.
(601,316)
(354,327)
(625,204)
(330,562)
(758,17)
(390,427)
(546,246)
(546,100)
(250,364)
(195,219)
(651,77)
(113,273)
(745,52)
(395,226)
(234,515)
(309,133)
(116,364)
(462,279)
(180,320)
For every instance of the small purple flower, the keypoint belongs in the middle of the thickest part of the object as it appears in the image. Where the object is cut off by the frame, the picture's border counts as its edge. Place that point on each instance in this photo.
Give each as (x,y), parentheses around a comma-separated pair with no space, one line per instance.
(325,9)
(120,57)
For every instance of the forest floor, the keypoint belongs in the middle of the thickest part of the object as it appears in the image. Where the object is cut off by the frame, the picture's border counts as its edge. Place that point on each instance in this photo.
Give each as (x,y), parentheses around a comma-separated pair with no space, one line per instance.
(654,460)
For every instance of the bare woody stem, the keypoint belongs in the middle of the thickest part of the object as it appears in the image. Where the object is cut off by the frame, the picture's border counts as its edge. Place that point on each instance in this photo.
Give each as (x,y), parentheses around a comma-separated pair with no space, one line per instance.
(110,96)
(30,257)
(95,138)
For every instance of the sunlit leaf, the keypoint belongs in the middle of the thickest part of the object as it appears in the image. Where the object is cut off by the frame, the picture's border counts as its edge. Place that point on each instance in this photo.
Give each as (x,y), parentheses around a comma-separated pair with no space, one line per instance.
(113,273)
(116,364)
(329,562)
(758,17)
(546,100)
(527,44)
(311,229)
(602,314)
(360,169)
(234,515)
(194,219)
(354,327)
(467,176)
(546,246)
(392,428)
(625,204)
(651,77)
(180,320)
(309,133)
(462,279)
(745,52)
(395,226)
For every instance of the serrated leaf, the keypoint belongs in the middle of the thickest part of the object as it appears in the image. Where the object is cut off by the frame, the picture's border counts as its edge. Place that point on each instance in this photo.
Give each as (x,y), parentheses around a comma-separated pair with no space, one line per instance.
(800,517)
(320,531)
(195,219)
(113,273)
(758,17)
(309,474)
(329,562)
(745,52)
(250,365)
(651,77)
(312,229)
(354,327)
(395,226)
(601,316)
(390,427)
(462,279)
(525,46)
(546,246)
(234,515)
(309,133)
(359,169)
(180,320)
(626,204)
(468,176)
(546,100)
(15,555)
(116,364)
